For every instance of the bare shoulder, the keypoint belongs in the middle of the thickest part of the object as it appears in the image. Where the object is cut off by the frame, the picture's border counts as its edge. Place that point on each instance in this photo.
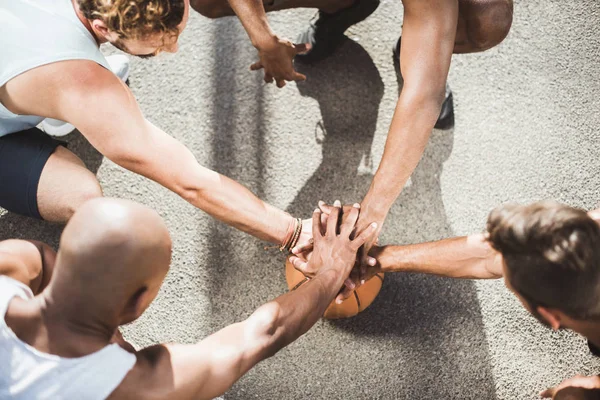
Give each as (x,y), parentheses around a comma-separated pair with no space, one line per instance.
(150,377)
(43,90)
(21,260)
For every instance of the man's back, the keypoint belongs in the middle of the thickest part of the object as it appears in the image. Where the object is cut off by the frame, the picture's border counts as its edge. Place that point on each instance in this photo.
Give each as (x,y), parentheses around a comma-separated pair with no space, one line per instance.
(27,373)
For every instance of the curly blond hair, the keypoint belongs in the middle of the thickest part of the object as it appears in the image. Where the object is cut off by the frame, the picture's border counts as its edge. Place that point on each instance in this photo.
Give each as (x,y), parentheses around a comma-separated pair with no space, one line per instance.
(135,19)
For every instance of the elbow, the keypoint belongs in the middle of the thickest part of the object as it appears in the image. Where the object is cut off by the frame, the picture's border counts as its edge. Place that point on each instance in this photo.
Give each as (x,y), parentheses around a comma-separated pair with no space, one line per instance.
(266,331)
(423,99)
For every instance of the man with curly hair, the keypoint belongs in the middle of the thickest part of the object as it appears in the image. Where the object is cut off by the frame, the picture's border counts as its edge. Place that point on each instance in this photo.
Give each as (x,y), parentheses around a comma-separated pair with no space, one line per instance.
(548,255)
(51,67)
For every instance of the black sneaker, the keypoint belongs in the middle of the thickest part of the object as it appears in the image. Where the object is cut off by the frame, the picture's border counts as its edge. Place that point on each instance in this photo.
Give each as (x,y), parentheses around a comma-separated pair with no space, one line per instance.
(446,118)
(327,33)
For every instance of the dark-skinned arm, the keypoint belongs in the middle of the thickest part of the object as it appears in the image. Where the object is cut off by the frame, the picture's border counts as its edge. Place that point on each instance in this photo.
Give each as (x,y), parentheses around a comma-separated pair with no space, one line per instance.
(428,34)
(207,369)
(469,257)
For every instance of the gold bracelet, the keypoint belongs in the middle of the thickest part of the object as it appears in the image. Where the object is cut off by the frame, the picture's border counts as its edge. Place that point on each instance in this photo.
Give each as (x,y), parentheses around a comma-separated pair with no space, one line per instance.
(297,234)
(289,237)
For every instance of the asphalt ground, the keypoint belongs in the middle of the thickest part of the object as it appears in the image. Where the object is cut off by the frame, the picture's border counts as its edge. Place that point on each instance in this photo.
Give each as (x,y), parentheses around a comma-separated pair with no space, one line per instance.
(527,118)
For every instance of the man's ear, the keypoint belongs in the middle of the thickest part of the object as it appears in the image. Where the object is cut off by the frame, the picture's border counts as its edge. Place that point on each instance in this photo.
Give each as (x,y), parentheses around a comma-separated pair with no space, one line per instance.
(553,317)
(101,29)
(134,307)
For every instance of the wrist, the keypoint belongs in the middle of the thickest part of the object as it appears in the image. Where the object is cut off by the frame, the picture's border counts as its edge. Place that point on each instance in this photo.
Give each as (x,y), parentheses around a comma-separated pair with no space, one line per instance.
(374,210)
(331,278)
(264,40)
(384,257)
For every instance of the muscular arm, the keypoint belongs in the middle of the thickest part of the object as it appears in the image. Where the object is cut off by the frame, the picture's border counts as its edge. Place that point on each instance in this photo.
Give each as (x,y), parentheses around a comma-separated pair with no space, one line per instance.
(469,257)
(253,17)
(27,261)
(428,36)
(209,368)
(105,111)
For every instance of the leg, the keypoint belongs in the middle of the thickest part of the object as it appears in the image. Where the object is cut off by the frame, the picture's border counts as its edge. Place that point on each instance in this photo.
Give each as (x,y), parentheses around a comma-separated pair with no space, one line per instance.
(482,24)
(41,179)
(65,184)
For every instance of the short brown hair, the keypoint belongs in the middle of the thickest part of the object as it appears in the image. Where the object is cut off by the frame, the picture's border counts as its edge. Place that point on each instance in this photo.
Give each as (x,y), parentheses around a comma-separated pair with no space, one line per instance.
(552,254)
(134,19)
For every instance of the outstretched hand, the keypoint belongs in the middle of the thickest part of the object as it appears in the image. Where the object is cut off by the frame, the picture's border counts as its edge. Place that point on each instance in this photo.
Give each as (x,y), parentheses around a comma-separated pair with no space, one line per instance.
(277,59)
(332,250)
(575,388)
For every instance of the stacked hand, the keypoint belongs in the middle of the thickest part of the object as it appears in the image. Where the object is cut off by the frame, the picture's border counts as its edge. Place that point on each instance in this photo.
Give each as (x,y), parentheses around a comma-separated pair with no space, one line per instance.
(332,251)
(304,252)
(277,58)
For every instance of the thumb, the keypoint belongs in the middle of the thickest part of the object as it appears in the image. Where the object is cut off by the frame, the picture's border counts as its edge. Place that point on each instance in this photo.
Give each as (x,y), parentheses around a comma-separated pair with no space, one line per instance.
(302,48)
(548,393)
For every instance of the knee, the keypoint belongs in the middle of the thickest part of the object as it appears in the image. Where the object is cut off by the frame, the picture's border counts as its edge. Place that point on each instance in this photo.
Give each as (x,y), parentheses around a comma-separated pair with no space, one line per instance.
(87,190)
(493,22)
(210,8)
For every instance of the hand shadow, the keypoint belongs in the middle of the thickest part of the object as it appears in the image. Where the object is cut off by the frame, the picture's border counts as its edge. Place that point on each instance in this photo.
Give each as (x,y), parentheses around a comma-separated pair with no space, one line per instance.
(426,332)
(14,226)
(349,90)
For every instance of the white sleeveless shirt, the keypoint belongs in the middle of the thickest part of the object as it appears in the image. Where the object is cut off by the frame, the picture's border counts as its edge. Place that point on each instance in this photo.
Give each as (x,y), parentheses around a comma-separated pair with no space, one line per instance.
(29,374)
(35,33)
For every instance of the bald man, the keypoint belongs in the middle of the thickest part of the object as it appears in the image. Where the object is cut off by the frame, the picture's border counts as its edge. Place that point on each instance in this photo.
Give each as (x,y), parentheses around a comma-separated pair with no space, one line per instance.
(61,312)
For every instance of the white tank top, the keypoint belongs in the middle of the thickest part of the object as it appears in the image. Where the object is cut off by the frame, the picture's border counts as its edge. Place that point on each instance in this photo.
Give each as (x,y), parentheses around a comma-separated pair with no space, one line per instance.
(29,374)
(34,33)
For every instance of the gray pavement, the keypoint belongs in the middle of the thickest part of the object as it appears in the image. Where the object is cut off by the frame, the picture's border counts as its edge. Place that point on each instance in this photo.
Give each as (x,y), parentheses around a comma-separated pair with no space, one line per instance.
(527,119)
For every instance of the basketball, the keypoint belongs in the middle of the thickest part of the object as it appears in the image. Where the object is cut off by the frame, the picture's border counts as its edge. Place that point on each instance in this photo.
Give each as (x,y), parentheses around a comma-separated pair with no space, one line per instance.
(357,302)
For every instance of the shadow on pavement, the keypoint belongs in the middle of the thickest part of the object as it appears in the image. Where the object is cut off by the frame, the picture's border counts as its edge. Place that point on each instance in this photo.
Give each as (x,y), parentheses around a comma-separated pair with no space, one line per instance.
(20,227)
(423,337)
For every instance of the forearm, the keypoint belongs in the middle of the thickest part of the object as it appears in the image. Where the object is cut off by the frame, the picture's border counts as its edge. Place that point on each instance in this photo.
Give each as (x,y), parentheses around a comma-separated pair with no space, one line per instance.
(428,36)
(469,257)
(300,309)
(168,162)
(409,133)
(253,17)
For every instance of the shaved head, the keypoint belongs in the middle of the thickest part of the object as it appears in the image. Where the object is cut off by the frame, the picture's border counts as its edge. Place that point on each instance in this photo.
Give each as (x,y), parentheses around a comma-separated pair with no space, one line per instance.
(112,259)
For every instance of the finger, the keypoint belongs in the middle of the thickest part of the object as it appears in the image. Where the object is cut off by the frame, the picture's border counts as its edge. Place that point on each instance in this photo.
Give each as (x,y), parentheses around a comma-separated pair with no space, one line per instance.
(332,220)
(325,208)
(303,248)
(324,218)
(365,272)
(298,77)
(548,393)
(347,290)
(268,78)
(256,66)
(365,235)
(299,263)
(302,48)
(316,226)
(350,221)
(280,83)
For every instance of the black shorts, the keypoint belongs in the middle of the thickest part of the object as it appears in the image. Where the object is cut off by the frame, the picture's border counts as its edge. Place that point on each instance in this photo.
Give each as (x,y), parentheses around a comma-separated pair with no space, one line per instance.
(22,159)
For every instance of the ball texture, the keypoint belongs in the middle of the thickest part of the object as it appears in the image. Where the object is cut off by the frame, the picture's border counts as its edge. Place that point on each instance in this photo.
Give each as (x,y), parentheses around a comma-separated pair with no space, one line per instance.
(360,299)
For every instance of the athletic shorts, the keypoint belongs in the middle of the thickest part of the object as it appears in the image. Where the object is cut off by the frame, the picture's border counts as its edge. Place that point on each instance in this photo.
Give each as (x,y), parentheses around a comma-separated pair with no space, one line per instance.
(22,159)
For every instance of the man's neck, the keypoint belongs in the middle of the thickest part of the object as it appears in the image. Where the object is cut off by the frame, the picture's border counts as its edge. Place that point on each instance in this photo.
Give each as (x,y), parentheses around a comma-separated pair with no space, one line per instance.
(86,23)
(42,325)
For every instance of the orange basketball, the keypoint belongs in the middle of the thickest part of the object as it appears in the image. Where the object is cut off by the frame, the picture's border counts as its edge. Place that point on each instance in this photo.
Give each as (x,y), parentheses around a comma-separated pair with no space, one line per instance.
(361,299)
